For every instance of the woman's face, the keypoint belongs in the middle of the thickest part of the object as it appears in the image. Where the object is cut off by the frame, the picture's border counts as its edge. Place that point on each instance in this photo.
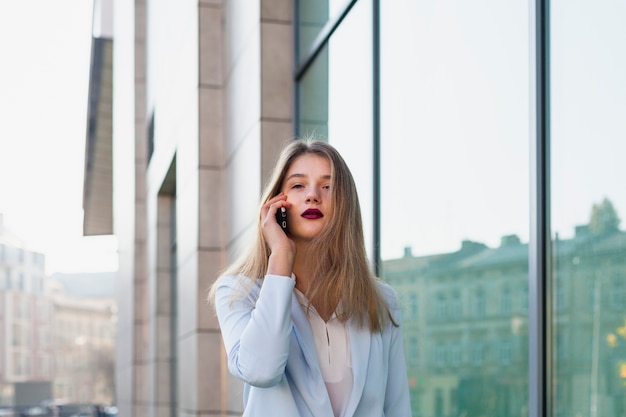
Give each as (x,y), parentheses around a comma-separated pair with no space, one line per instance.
(307,186)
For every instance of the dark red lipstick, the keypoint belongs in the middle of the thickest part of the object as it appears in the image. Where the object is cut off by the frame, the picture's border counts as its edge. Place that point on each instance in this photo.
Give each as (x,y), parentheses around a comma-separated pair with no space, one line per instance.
(312,214)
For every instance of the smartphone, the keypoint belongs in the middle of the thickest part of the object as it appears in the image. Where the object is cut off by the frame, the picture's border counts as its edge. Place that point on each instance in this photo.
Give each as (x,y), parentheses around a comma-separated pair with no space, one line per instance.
(281,218)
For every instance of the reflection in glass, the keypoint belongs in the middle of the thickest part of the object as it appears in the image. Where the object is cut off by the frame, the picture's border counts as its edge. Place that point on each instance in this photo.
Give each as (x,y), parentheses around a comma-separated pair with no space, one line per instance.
(335,101)
(313,97)
(588,200)
(454,181)
(312,16)
(590,318)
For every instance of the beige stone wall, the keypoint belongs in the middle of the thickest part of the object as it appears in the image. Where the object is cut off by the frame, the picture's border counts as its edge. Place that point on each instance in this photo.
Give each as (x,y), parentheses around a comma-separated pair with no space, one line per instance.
(216,78)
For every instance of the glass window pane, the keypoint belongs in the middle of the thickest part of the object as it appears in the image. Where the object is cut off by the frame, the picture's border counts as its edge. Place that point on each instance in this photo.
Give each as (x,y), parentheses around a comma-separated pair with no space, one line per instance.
(312,16)
(335,101)
(588,199)
(455,198)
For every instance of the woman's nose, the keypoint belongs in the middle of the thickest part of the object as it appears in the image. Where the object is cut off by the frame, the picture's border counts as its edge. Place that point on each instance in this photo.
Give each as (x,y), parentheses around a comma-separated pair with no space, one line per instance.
(313,196)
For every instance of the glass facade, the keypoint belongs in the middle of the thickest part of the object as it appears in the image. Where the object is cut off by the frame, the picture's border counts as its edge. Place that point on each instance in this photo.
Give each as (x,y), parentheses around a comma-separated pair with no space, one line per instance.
(335,101)
(313,17)
(588,200)
(434,115)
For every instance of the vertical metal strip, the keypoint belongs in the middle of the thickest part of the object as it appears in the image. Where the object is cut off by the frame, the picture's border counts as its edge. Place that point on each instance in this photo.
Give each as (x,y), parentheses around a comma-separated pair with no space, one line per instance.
(376,136)
(296,83)
(539,261)
(174,316)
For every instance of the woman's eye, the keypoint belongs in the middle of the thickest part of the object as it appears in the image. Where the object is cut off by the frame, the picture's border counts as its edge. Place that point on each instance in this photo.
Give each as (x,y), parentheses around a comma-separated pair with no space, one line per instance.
(326,187)
(297,186)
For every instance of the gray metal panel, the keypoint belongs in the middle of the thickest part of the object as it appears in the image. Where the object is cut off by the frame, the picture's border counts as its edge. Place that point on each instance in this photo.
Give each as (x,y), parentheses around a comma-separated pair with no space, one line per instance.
(98,180)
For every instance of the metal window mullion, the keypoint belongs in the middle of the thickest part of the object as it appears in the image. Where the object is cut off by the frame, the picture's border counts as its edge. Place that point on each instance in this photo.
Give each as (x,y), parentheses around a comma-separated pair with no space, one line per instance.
(320,41)
(300,67)
(296,84)
(539,261)
(376,212)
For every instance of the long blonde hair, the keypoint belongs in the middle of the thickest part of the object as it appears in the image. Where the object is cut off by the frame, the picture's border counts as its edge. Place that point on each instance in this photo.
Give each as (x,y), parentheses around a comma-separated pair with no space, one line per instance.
(342,275)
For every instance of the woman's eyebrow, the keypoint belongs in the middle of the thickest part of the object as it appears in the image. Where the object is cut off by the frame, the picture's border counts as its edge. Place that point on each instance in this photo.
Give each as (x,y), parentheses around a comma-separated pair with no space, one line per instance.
(298,175)
(295,175)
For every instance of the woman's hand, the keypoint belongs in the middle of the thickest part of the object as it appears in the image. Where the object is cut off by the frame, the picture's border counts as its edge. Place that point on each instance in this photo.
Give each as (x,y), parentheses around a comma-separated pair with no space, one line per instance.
(282,248)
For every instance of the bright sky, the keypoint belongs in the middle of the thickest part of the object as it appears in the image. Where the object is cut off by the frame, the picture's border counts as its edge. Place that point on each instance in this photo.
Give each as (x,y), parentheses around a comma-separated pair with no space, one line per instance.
(45,51)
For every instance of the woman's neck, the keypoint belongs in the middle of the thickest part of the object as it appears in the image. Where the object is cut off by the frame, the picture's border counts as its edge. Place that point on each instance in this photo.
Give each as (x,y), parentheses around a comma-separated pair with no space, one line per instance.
(301,267)
(303,270)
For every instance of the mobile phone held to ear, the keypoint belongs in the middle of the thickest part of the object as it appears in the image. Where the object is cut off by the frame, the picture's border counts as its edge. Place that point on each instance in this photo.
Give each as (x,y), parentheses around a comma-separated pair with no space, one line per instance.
(281,218)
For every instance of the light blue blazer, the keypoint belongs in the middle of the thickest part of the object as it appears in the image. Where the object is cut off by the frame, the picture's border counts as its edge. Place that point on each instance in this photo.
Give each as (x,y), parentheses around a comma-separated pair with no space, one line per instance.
(270,347)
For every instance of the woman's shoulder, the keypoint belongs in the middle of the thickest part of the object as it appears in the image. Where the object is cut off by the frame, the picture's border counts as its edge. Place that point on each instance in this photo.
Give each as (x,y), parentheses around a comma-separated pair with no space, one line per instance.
(237,284)
(231,280)
(388,293)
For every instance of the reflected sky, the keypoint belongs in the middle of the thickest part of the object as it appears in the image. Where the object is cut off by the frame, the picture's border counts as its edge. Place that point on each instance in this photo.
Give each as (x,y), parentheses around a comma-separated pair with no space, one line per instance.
(455,105)
(455,121)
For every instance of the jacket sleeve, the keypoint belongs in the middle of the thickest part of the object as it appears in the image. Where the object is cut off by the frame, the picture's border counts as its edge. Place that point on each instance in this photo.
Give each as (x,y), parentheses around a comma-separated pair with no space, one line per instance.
(256,330)
(397,398)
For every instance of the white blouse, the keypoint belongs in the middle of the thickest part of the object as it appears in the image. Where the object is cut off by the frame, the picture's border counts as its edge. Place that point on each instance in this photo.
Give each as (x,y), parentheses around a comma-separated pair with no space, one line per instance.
(332,343)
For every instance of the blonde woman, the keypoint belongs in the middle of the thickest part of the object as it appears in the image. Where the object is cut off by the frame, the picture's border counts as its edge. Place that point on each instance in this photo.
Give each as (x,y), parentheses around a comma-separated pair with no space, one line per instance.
(306,325)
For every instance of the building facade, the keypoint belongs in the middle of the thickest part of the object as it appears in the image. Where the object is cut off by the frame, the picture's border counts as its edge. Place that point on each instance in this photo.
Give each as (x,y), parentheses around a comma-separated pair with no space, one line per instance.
(84,348)
(202,101)
(55,346)
(26,350)
(462,122)
(466,326)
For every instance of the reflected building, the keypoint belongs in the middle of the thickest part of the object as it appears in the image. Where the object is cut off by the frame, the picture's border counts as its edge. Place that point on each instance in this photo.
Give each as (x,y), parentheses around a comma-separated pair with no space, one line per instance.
(465,327)
(465,318)
(589,328)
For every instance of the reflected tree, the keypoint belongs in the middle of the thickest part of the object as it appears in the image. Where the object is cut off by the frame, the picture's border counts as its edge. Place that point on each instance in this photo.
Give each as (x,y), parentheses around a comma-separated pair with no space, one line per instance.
(604,218)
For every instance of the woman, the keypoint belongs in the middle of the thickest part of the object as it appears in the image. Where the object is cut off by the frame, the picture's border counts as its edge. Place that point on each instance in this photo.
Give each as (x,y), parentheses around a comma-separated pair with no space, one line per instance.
(306,325)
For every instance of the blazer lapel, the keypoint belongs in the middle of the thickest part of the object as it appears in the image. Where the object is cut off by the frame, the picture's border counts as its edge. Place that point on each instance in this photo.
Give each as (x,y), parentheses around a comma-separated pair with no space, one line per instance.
(360,344)
(360,340)
(313,390)
(304,332)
